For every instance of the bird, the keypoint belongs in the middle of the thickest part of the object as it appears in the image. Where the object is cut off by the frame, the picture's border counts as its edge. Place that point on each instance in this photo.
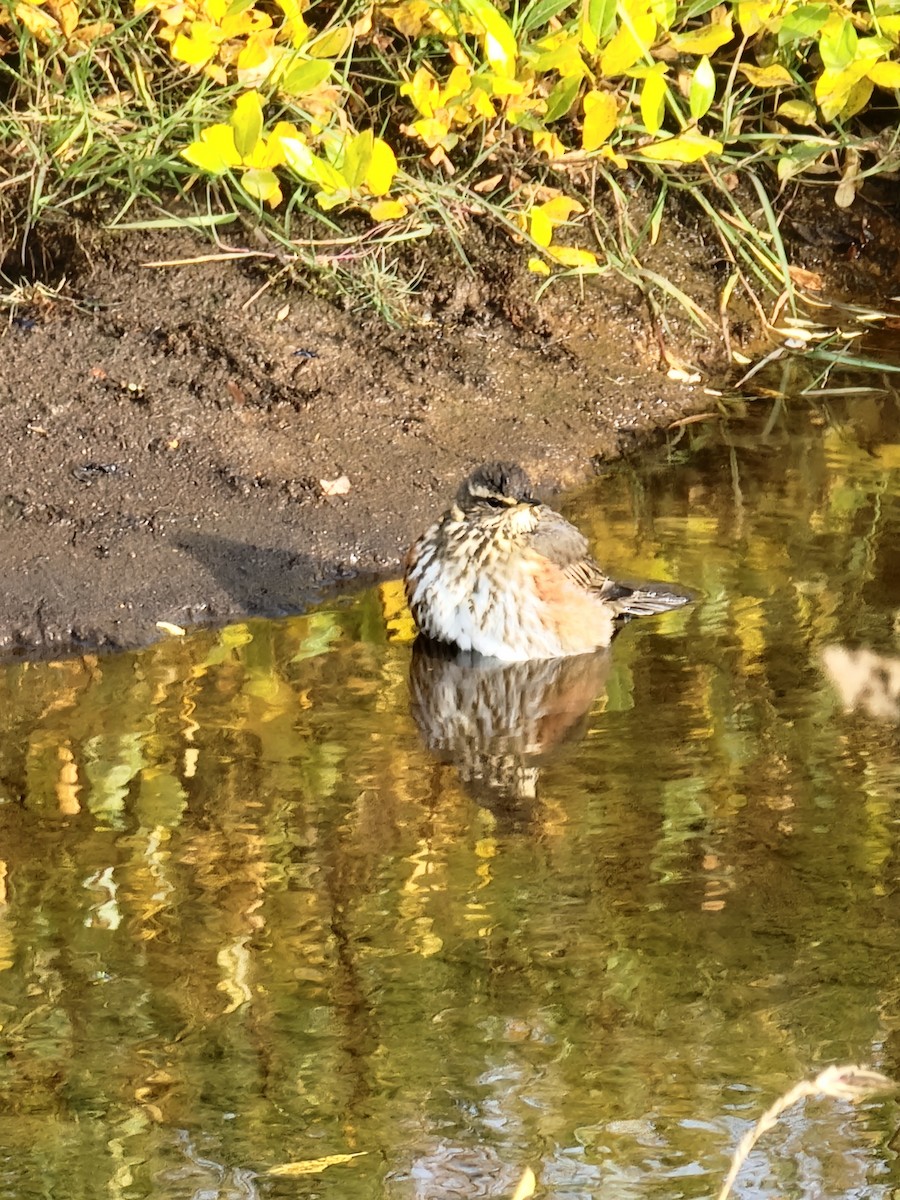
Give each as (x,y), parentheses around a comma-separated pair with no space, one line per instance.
(503,575)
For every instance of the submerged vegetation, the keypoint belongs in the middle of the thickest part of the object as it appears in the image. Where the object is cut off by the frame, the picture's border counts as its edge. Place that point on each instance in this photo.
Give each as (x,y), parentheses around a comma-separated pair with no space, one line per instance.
(540,118)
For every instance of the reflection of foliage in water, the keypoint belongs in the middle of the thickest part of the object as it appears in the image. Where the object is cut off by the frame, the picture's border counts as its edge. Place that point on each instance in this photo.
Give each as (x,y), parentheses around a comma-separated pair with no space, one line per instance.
(242,902)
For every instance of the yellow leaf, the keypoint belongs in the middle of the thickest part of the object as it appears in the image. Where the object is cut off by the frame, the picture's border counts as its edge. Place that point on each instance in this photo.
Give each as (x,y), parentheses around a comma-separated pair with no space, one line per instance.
(263,185)
(857,99)
(560,208)
(653,99)
(833,88)
(434,133)
(500,46)
(67,16)
(541,227)
(269,152)
(799,111)
(570,256)
(548,143)
(753,15)
(37,22)
(330,44)
(481,104)
(244,22)
(501,86)
(388,210)
(311,1166)
(85,34)
(199,47)
(538,266)
(409,18)
(889,24)
(382,169)
(600,114)
(626,47)
(618,160)
(458,82)
(773,76)
(259,57)
(423,90)
(216,73)
(705,40)
(294,25)
(686,149)
(215,152)
(885,74)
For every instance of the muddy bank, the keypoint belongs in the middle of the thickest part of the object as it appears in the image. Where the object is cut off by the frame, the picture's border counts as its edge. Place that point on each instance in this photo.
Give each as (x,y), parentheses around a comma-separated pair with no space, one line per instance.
(167,431)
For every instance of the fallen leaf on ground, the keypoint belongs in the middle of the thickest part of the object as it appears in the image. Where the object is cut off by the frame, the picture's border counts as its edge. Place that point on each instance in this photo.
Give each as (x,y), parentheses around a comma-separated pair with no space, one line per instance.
(335,487)
(808,279)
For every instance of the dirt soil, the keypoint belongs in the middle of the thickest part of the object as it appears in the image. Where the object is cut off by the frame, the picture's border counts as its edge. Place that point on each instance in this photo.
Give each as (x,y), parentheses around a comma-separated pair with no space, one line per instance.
(171,434)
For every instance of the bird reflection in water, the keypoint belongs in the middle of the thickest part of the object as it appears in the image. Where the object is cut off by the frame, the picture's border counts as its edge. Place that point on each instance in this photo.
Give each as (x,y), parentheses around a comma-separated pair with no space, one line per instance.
(496,722)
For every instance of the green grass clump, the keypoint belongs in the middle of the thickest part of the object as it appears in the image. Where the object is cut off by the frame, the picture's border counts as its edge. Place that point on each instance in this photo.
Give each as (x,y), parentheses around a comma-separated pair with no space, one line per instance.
(422,113)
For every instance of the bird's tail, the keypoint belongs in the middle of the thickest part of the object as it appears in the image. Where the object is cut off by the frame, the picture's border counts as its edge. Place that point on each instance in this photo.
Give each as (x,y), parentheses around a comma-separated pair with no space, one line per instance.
(643,600)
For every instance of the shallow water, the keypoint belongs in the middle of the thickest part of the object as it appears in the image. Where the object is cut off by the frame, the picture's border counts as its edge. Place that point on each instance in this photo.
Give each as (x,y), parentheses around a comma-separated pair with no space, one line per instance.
(274,893)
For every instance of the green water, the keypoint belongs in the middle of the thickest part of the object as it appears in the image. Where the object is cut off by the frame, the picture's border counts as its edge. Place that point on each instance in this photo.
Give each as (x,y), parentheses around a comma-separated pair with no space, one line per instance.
(249,918)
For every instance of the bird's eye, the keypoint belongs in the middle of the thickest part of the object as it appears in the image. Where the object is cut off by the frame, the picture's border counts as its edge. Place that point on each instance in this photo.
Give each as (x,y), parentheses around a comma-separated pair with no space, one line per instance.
(495,502)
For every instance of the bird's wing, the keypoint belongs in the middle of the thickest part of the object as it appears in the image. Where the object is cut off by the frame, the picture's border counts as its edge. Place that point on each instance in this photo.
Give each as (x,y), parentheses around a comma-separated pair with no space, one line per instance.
(564,545)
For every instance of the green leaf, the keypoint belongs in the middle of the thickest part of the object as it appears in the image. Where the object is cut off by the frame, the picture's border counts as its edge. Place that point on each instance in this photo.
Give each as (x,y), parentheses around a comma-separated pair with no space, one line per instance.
(262,184)
(537,15)
(838,45)
(355,158)
(703,89)
(566,59)
(247,123)
(600,17)
(562,98)
(802,22)
(698,9)
(800,156)
(332,199)
(305,76)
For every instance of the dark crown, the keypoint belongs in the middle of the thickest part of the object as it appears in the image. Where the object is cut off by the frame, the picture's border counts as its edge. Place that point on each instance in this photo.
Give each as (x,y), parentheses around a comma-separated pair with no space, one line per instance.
(494,481)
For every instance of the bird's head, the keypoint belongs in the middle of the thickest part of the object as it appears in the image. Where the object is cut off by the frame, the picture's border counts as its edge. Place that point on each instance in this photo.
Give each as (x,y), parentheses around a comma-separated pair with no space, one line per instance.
(495,487)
